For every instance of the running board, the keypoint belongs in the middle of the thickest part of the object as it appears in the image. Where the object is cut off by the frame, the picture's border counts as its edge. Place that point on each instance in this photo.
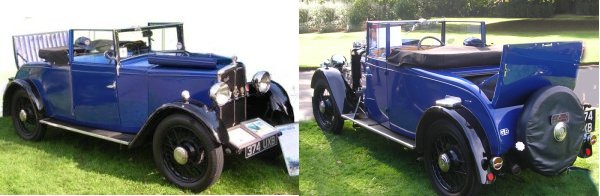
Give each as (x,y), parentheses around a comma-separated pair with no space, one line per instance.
(373,126)
(117,137)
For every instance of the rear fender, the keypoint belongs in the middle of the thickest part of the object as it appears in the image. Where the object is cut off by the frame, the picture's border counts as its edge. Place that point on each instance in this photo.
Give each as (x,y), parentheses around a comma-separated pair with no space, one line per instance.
(26,85)
(337,86)
(475,143)
(195,109)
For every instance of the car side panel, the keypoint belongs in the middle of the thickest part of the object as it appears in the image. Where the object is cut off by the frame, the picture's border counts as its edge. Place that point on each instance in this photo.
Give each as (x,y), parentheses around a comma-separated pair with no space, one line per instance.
(423,87)
(376,95)
(132,90)
(56,82)
(95,105)
(166,84)
(406,107)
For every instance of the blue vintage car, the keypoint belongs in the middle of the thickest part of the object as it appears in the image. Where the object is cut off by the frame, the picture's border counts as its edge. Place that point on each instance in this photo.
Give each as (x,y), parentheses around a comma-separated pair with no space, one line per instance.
(139,86)
(471,110)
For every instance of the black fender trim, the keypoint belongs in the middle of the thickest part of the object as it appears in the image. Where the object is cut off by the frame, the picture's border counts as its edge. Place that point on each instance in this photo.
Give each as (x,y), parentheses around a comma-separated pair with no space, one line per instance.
(469,129)
(336,83)
(197,110)
(273,106)
(29,87)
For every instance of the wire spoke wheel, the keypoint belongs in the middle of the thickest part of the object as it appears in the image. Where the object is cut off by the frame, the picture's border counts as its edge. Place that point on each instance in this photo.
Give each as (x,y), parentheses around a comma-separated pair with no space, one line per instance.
(25,117)
(28,123)
(448,160)
(194,166)
(451,179)
(185,153)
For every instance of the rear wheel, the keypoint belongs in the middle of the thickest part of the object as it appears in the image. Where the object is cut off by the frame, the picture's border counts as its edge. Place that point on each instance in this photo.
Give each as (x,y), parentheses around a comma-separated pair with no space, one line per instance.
(185,153)
(448,160)
(25,117)
(326,114)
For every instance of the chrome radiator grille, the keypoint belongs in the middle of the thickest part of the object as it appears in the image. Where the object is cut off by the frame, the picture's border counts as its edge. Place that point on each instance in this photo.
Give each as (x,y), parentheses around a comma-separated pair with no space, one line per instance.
(234,112)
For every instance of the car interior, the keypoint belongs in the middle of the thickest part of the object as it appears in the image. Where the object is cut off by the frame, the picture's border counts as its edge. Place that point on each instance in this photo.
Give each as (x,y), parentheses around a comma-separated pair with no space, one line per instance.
(471,54)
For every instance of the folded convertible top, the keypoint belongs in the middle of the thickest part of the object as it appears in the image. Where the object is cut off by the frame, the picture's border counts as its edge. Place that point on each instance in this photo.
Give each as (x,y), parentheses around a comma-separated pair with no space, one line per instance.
(447,57)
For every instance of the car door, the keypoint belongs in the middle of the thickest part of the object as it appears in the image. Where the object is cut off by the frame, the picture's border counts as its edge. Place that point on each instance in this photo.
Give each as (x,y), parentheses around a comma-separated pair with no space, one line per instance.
(376,93)
(94,82)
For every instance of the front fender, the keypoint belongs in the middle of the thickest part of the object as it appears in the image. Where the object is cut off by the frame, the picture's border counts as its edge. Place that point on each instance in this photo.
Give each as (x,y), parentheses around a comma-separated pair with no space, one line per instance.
(469,129)
(26,85)
(337,86)
(195,109)
(273,106)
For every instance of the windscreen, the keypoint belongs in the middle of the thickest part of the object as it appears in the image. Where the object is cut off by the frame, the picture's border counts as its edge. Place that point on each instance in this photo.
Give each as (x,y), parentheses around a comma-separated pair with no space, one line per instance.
(143,41)
(407,35)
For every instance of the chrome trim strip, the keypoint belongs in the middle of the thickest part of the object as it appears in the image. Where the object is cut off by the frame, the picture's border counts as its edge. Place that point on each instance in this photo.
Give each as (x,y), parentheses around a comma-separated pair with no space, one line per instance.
(83,132)
(223,70)
(380,132)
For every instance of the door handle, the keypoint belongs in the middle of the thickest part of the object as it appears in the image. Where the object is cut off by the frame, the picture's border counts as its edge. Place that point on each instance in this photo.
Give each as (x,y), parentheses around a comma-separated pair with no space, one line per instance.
(112,86)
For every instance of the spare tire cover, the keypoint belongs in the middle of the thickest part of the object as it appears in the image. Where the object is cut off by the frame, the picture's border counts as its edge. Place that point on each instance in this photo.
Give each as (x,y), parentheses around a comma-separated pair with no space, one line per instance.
(543,153)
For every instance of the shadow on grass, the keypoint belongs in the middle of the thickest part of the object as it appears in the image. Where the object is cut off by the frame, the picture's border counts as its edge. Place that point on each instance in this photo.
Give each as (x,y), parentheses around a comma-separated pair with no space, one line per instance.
(92,155)
(363,154)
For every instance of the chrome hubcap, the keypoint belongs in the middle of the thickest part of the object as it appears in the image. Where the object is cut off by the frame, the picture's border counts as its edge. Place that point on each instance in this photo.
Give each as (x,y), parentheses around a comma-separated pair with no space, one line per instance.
(560,131)
(180,155)
(322,106)
(22,115)
(444,162)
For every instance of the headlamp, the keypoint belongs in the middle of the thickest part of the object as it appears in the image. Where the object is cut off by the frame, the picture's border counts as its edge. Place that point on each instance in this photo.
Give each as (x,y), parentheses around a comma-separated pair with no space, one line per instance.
(220,93)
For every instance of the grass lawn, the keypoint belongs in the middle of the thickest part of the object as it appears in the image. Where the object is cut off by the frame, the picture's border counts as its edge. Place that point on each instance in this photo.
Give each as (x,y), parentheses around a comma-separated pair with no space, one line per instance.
(70,163)
(316,47)
(364,163)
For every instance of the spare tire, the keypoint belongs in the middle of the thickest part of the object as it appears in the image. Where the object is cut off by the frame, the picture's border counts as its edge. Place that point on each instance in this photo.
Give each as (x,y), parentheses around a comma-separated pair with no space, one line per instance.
(550,150)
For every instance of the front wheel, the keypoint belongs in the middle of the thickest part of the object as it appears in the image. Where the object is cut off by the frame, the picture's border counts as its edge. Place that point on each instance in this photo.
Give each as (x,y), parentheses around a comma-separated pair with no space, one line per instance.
(185,153)
(448,160)
(25,117)
(326,114)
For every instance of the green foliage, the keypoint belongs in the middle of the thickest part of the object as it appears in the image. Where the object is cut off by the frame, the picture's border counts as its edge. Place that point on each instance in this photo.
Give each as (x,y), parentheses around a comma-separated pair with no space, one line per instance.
(524,9)
(352,14)
(303,14)
(324,17)
(586,7)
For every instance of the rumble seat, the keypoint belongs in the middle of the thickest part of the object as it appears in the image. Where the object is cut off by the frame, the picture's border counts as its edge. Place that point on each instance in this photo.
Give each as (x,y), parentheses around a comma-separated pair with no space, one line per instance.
(447,57)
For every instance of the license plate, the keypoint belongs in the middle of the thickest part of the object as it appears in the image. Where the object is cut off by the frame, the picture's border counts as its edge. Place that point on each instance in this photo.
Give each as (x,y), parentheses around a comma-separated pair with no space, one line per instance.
(260,146)
(590,118)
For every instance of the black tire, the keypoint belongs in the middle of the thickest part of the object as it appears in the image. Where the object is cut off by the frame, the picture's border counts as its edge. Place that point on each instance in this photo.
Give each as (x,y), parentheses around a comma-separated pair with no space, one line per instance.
(443,137)
(328,117)
(204,161)
(28,128)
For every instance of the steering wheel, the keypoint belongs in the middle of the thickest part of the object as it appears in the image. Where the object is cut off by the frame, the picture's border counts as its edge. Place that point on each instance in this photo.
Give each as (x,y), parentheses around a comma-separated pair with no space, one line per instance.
(428,37)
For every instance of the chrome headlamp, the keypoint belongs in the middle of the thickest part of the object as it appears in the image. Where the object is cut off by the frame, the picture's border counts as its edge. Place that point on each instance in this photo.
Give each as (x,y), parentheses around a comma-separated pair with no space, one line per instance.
(261,81)
(220,93)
